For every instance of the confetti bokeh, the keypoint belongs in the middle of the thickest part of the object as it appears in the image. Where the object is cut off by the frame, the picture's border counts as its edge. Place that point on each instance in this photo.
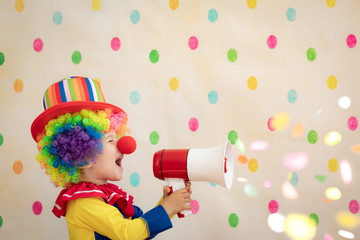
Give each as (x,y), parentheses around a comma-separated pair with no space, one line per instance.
(278,79)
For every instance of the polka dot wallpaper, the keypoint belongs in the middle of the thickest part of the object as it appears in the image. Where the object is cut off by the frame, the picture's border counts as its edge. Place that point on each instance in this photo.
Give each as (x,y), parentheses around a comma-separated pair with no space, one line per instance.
(279,79)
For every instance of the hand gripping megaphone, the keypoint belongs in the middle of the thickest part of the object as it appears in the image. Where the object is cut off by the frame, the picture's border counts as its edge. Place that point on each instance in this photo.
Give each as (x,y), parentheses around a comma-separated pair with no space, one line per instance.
(214,165)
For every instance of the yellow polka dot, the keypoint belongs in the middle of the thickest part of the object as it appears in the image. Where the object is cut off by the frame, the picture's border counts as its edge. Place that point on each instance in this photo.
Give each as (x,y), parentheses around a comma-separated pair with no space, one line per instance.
(280,121)
(96,4)
(252,83)
(253,165)
(19,5)
(332,82)
(333,165)
(174,83)
(17,167)
(330,3)
(347,220)
(18,85)
(173,4)
(251,3)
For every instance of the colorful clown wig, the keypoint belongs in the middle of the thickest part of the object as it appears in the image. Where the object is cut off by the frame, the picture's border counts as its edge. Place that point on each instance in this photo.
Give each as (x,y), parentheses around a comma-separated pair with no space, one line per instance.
(71,140)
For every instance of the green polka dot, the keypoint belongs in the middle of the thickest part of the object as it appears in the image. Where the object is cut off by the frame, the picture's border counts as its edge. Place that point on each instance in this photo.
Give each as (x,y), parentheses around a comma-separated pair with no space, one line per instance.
(314,219)
(1,221)
(76,57)
(1,139)
(321,178)
(2,58)
(311,54)
(233,220)
(154,137)
(312,137)
(154,56)
(233,136)
(232,55)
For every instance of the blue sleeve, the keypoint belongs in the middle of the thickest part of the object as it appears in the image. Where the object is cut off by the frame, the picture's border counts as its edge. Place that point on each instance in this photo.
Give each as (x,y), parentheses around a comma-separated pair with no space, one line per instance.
(156,220)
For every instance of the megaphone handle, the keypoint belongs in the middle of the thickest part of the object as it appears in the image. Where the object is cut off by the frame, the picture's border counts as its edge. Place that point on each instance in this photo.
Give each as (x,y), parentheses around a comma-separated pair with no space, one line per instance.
(176,184)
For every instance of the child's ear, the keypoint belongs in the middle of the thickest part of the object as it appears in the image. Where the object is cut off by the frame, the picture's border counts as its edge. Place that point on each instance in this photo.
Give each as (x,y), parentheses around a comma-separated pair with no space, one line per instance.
(88,165)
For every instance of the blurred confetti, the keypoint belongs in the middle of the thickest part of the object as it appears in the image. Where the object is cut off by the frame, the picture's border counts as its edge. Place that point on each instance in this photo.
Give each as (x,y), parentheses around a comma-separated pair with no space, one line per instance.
(299,227)
(296,161)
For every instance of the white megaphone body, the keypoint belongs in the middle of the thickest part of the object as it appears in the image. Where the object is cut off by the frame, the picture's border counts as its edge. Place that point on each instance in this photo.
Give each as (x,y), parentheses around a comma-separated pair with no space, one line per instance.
(214,165)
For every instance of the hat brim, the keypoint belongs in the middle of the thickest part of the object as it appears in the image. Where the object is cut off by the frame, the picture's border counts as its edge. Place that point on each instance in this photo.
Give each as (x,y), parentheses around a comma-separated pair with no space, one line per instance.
(69,107)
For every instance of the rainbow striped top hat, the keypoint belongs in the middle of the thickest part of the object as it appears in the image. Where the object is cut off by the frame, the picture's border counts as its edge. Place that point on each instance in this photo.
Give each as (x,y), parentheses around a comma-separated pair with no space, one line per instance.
(70,95)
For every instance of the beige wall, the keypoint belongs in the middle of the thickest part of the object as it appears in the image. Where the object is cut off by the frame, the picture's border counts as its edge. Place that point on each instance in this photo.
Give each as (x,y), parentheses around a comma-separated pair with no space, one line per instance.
(88,27)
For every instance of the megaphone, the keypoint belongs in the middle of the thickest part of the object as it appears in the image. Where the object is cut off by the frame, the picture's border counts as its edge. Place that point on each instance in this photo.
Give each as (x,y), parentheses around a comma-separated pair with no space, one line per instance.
(214,165)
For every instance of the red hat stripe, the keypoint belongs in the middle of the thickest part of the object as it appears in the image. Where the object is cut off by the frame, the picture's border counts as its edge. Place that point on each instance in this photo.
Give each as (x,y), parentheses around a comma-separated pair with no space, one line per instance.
(85,89)
(57,94)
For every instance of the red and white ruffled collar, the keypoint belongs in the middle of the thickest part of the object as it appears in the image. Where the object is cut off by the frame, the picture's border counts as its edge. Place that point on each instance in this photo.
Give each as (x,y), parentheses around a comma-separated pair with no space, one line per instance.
(109,192)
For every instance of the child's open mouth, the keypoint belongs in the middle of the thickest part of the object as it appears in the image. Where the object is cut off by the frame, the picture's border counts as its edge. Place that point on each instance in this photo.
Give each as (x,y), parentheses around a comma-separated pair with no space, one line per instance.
(118,162)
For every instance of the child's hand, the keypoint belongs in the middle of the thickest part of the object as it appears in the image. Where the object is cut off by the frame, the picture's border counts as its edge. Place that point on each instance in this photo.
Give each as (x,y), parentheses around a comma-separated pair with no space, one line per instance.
(178,200)
(167,190)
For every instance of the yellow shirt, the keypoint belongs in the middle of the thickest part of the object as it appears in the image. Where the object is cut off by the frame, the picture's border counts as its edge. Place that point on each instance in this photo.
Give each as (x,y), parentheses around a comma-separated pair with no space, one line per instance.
(87,218)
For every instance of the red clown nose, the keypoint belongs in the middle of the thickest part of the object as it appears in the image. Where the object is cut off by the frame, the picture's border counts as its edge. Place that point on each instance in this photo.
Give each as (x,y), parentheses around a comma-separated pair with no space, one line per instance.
(126,145)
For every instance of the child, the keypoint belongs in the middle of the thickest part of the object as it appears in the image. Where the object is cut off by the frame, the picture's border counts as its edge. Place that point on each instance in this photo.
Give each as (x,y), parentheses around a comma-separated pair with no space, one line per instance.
(77,140)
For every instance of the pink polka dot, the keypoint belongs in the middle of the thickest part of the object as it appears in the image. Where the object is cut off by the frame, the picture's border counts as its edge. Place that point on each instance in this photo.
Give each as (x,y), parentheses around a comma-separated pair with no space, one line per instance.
(193,124)
(195,206)
(352,123)
(271,41)
(193,43)
(328,237)
(351,41)
(37,208)
(38,45)
(115,43)
(273,206)
(354,206)
(269,123)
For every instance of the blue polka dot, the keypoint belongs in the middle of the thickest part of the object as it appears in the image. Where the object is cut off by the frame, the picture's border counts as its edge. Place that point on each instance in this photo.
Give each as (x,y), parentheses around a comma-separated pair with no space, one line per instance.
(135,16)
(212,15)
(135,97)
(57,18)
(292,96)
(213,184)
(213,97)
(294,180)
(134,179)
(291,14)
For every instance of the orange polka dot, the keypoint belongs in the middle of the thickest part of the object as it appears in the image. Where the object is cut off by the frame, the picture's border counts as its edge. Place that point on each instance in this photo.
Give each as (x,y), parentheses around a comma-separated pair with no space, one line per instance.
(17,167)
(242,159)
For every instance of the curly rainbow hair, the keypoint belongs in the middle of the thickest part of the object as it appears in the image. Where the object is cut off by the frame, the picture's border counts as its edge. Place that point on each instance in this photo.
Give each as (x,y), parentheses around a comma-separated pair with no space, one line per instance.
(71,140)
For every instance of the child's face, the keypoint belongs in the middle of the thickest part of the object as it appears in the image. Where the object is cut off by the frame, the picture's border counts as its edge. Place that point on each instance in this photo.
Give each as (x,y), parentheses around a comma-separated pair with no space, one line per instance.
(108,163)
